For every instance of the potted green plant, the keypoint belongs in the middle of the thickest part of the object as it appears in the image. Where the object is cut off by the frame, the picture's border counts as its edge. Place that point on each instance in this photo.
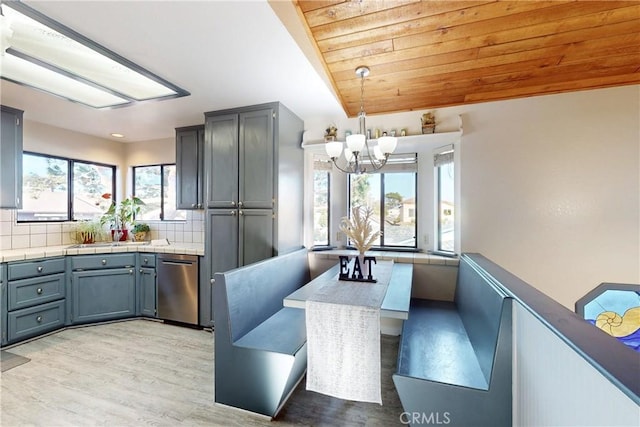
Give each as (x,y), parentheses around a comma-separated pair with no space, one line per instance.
(120,216)
(87,232)
(141,232)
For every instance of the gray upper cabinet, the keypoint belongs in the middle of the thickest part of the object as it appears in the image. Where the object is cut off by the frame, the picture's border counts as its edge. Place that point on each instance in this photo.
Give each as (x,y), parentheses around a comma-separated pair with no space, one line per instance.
(11,158)
(221,160)
(254,179)
(256,168)
(189,167)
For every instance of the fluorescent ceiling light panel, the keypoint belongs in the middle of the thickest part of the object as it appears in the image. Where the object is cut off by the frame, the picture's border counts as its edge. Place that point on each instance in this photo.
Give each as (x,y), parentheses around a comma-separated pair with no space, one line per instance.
(47,44)
(30,74)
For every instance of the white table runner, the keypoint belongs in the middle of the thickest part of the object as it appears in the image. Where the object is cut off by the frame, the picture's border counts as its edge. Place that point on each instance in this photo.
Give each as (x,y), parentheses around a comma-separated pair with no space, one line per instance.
(343,337)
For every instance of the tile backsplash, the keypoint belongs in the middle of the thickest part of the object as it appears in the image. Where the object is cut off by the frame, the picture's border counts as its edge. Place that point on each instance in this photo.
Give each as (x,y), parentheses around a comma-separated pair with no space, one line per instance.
(30,235)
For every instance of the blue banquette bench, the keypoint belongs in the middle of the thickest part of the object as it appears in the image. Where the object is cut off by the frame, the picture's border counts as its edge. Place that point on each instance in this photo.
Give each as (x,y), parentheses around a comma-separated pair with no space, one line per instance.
(260,346)
(454,360)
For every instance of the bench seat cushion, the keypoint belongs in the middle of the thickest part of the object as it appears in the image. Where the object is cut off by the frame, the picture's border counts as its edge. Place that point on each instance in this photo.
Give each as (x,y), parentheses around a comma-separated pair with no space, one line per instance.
(285,332)
(435,346)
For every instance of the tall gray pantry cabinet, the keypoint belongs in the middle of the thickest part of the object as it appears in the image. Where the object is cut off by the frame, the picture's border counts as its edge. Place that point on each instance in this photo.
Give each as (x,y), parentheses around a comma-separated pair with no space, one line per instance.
(254,185)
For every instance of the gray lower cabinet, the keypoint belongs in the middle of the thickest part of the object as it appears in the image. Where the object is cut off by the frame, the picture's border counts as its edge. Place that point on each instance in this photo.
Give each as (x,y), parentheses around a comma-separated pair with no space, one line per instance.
(147,285)
(205,296)
(103,295)
(3,304)
(11,158)
(35,298)
(103,287)
(148,289)
(33,321)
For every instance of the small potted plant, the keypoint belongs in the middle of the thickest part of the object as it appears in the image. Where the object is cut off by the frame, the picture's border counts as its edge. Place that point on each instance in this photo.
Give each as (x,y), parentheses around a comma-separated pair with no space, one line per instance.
(87,232)
(121,215)
(141,232)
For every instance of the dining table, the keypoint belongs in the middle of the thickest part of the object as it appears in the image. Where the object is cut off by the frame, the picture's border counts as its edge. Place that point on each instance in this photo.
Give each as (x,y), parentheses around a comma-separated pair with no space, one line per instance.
(344,321)
(395,305)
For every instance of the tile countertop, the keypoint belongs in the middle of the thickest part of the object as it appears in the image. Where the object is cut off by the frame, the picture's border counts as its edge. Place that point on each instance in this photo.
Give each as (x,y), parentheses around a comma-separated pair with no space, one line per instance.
(53,251)
(401,257)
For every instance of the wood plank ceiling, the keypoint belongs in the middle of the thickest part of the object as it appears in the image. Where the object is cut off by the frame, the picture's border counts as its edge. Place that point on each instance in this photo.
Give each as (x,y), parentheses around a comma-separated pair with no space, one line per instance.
(430,54)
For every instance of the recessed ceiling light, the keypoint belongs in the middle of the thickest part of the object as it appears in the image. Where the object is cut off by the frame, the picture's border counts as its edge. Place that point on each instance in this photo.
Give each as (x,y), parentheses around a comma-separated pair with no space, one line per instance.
(117,135)
(42,53)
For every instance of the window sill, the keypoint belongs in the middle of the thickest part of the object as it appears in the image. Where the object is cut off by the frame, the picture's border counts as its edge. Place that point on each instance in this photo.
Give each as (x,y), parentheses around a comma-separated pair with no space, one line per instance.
(395,256)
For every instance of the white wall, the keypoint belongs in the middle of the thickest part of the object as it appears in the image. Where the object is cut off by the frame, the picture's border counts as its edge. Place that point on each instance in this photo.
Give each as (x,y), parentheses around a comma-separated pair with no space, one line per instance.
(549,185)
(550,188)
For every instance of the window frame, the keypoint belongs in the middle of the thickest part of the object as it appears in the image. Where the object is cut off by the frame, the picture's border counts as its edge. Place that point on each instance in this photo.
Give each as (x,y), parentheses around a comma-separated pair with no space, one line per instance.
(438,170)
(328,207)
(383,246)
(133,188)
(70,184)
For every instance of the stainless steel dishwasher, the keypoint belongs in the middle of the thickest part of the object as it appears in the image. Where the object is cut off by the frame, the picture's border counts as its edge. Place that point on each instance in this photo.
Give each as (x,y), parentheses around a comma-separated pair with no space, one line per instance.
(178,288)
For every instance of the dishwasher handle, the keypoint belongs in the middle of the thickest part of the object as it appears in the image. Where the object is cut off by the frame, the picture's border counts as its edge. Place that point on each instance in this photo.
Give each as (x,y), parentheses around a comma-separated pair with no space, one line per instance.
(177,262)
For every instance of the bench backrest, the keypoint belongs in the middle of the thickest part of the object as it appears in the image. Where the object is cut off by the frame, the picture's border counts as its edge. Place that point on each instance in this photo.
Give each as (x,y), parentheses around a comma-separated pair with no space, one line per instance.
(480,305)
(255,292)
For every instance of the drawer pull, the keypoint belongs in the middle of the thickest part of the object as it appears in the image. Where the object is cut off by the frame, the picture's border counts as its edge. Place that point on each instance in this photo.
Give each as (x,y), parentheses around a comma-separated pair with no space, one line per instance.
(39,291)
(40,269)
(104,262)
(39,319)
(146,261)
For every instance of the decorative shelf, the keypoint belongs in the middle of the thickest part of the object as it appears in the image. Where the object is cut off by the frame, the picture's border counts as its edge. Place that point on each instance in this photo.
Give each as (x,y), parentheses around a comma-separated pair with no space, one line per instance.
(408,142)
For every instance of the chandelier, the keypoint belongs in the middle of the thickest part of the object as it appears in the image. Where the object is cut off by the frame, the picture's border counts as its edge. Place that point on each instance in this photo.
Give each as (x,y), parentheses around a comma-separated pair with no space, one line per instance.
(359,152)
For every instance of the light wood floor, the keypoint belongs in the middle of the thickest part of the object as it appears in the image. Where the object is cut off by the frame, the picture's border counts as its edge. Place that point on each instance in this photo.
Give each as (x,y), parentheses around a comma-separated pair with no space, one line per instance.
(142,372)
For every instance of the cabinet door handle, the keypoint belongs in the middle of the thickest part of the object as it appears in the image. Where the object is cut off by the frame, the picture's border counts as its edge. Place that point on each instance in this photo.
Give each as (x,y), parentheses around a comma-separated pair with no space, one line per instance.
(193,205)
(213,281)
(40,268)
(131,271)
(233,213)
(241,213)
(104,262)
(240,204)
(39,291)
(140,270)
(233,203)
(39,319)
(146,261)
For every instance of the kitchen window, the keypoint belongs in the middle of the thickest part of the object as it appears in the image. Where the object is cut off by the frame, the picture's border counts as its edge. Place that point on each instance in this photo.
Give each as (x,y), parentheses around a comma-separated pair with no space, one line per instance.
(63,189)
(155,185)
(391,195)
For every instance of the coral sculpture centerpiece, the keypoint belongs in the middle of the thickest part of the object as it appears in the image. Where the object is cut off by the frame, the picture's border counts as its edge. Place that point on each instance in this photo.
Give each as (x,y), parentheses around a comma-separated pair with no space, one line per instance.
(361,234)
